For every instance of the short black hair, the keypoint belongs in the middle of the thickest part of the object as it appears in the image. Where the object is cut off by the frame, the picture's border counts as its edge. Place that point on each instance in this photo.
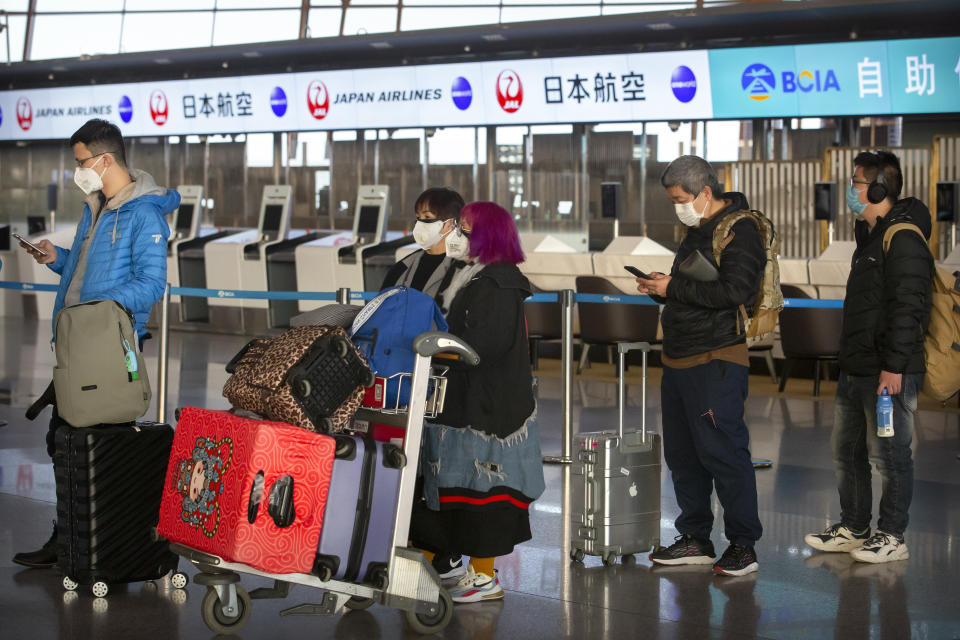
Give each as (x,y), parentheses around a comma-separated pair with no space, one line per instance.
(101,136)
(443,202)
(883,167)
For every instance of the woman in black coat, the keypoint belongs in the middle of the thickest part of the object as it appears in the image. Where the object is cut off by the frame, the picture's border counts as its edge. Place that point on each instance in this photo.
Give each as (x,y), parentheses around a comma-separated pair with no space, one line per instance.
(481,461)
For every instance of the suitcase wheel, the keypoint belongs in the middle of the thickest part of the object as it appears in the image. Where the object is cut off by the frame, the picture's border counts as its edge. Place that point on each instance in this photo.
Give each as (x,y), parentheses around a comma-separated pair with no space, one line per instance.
(69,584)
(341,347)
(100,588)
(576,555)
(303,387)
(436,620)
(628,559)
(217,620)
(358,603)
(325,574)
(179,580)
(610,559)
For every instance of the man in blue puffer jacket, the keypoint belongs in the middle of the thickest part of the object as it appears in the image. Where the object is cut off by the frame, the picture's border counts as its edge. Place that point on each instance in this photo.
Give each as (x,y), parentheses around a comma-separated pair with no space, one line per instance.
(119,251)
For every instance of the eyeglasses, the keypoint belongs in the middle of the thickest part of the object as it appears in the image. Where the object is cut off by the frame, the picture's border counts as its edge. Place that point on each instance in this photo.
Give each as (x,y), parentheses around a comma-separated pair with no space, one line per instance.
(854,181)
(96,155)
(462,231)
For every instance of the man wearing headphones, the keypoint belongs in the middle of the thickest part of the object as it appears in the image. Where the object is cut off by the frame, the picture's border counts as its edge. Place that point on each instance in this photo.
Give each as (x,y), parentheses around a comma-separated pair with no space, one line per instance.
(885,315)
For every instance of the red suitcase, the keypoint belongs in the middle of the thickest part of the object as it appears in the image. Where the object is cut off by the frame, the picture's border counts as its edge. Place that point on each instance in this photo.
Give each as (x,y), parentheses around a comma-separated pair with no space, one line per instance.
(249,491)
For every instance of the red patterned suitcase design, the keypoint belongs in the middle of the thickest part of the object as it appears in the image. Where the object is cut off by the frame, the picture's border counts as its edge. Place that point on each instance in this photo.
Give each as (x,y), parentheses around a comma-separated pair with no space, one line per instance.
(249,491)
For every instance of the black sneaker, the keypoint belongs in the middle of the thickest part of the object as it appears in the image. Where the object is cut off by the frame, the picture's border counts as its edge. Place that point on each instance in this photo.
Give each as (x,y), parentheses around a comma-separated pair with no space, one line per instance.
(449,565)
(43,558)
(737,560)
(685,550)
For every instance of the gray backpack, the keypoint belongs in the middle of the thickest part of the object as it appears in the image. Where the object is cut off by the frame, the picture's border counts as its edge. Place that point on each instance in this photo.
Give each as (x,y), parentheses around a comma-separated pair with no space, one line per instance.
(100,377)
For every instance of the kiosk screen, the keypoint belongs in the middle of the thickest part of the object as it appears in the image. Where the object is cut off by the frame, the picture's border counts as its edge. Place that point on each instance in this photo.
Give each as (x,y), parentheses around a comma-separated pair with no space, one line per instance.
(185,218)
(369,217)
(271,220)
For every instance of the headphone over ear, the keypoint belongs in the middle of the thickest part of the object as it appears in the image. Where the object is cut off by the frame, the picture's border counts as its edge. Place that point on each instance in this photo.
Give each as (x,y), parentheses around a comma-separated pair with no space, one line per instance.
(877,191)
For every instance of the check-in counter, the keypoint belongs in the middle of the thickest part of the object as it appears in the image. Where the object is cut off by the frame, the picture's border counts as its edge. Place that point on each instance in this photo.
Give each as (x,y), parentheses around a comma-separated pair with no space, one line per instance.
(829,271)
(638,251)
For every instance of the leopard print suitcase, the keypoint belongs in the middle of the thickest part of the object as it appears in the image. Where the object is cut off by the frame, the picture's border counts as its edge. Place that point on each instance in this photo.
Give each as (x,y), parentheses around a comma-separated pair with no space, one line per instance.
(312,377)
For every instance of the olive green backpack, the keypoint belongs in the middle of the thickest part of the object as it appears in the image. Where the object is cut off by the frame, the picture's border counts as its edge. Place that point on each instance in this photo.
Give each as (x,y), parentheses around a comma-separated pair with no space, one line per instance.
(100,377)
(762,318)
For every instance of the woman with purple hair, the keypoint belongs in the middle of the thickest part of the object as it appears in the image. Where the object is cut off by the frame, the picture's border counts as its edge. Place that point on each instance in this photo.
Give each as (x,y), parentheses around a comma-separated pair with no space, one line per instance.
(481,460)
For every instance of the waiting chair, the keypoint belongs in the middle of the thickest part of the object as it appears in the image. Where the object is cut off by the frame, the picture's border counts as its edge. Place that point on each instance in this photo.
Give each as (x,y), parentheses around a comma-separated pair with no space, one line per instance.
(808,334)
(543,323)
(608,324)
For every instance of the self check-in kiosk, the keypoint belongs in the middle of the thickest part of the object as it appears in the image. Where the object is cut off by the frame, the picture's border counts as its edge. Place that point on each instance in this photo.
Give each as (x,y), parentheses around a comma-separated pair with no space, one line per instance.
(362,263)
(282,270)
(239,261)
(184,227)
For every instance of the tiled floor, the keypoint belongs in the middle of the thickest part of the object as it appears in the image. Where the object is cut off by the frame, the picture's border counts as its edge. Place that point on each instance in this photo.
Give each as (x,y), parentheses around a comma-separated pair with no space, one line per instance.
(796,594)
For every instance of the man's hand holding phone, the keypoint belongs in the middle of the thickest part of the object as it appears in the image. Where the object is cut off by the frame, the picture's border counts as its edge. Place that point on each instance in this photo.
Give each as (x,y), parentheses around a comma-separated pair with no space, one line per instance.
(654,283)
(43,251)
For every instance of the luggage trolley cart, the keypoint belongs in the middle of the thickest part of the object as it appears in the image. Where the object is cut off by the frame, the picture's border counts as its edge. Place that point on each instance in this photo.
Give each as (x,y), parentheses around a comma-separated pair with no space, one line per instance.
(412,584)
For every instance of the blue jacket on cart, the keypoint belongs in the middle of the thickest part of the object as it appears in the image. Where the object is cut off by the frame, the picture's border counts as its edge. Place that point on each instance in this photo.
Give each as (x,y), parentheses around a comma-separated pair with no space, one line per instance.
(126,259)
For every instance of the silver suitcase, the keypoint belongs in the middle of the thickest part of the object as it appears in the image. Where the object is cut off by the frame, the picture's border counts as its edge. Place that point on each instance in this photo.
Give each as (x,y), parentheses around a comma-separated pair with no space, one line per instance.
(616,483)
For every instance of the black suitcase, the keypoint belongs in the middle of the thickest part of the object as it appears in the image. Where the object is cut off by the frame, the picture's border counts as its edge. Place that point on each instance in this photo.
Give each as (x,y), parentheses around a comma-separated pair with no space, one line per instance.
(109,484)
(325,381)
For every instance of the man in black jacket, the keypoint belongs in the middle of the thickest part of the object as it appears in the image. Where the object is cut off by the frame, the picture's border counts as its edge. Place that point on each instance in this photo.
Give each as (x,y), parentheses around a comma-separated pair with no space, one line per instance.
(705,364)
(885,315)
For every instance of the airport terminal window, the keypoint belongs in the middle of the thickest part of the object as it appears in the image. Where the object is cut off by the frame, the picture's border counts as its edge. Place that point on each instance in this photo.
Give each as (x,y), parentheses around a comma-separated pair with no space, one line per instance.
(13,34)
(171,30)
(324,23)
(238,27)
(417,18)
(55,36)
(369,20)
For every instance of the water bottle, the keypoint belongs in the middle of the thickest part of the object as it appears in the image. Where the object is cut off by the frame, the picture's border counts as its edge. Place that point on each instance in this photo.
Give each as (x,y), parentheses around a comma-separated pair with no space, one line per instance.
(884,415)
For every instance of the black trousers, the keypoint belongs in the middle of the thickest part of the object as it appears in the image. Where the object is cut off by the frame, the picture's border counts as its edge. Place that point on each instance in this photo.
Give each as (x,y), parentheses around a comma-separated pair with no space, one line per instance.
(706,444)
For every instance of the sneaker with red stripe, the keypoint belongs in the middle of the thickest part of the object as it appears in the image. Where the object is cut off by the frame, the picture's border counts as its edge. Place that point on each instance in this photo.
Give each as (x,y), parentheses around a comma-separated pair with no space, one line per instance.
(477,587)
(685,550)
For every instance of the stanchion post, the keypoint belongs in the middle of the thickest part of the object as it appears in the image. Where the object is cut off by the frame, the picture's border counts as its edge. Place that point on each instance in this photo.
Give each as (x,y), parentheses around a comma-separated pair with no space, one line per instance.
(567,297)
(162,358)
(343,295)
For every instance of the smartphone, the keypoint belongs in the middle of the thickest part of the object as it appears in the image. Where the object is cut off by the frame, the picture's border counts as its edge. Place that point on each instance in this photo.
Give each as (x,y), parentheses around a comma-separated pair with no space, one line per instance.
(29,244)
(637,272)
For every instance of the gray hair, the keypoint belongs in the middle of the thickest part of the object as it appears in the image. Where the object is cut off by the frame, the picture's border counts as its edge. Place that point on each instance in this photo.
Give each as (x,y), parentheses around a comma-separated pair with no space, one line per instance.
(692,174)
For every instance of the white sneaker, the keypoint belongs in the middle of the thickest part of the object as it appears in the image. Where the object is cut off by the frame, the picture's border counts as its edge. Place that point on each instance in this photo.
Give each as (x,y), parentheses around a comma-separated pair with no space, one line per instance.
(881,547)
(477,587)
(837,538)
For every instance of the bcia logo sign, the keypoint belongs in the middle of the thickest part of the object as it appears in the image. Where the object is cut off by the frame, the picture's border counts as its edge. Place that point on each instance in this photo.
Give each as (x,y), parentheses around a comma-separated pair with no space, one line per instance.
(760,81)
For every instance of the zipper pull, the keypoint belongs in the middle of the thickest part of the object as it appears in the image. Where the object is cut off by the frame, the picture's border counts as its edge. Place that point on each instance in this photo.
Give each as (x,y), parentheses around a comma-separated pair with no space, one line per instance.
(709,412)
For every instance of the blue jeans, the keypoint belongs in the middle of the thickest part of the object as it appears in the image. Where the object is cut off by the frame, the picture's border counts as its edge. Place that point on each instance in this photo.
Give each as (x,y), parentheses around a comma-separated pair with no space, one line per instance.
(855,445)
(706,444)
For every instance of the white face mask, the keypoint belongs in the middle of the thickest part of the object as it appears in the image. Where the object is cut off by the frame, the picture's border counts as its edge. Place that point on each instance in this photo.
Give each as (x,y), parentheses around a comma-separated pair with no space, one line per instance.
(428,233)
(458,246)
(688,214)
(88,180)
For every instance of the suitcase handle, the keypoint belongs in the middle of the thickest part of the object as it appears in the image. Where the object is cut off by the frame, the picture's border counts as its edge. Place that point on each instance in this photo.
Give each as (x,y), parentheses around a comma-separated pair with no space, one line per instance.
(280,502)
(623,348)
(256,497)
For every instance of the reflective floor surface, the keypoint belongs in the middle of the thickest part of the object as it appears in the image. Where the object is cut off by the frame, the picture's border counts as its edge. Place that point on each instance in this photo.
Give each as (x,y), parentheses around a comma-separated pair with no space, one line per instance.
(796,594)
